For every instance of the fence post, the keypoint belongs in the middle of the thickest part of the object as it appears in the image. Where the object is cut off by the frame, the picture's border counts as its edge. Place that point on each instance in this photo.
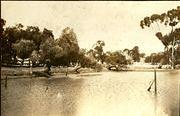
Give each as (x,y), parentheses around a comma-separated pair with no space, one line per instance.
(155,82)
(6,82)
(66,71)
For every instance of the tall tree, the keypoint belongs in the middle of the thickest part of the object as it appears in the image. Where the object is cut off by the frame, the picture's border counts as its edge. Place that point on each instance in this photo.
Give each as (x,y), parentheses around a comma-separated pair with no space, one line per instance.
(68,42)
(135,54)
(98,51)
(170,18)
(45,49)
(9,36)
(33,33)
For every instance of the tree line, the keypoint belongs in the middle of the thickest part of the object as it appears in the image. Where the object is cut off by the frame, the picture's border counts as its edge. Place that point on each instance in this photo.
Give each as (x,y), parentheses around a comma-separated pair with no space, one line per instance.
(19,42)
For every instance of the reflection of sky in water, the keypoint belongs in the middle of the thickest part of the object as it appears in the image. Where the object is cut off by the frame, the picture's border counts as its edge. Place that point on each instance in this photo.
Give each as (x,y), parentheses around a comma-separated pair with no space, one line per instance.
(108,94)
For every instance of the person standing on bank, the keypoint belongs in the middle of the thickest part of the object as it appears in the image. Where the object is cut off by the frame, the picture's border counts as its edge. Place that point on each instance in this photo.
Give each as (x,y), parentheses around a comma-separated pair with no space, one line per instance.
(48,67)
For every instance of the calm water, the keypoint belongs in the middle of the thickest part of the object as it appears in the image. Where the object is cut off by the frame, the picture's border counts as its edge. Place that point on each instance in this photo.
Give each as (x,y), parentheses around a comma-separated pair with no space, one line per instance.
(101,94)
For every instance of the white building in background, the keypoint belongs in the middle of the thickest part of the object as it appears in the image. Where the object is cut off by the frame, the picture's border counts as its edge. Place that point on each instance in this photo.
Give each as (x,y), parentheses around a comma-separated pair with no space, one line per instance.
(26,62)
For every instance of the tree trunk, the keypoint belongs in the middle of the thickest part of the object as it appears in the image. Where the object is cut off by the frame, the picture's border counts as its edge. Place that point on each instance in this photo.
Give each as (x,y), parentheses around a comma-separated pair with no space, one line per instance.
(172,54)
(168,56)
(173,66)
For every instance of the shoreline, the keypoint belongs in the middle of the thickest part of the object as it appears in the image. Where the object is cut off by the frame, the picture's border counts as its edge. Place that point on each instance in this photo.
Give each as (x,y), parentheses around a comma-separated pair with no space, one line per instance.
(22,72)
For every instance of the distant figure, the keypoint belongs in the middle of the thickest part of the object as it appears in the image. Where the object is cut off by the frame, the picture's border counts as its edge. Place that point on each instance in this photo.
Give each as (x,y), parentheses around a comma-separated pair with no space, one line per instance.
(48,67)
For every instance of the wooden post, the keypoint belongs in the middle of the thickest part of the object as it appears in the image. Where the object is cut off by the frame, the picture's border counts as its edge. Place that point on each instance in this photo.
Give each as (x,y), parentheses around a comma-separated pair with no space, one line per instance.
(155,90)
(155,83)
(30,67)
(6,82)
(173,54)
(66,71)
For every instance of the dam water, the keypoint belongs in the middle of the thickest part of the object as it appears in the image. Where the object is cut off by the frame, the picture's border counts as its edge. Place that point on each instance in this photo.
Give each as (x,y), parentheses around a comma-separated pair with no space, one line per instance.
(93,94)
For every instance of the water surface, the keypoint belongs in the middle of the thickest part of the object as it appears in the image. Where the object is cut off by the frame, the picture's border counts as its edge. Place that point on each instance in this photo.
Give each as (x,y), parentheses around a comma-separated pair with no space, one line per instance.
(101,94)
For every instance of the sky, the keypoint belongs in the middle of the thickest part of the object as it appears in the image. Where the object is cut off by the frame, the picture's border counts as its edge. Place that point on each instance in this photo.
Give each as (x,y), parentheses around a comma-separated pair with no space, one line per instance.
(117,23)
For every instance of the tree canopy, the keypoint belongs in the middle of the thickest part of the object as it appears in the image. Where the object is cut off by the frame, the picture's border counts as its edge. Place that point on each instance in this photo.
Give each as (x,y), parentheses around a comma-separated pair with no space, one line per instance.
(24,48)
(170,40)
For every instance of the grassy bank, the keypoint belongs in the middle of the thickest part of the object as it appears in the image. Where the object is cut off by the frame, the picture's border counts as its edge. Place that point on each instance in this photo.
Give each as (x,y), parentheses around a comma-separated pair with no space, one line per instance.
(25,71)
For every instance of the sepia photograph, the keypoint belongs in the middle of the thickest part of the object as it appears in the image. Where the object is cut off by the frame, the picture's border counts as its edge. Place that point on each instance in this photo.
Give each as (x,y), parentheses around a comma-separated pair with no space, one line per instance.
(90,58)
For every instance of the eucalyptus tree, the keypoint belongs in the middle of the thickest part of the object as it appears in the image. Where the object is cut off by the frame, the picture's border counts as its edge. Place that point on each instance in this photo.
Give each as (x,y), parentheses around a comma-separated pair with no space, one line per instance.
(50,50)
(68,42)
(128,54)
(126,51)
(86,60)
(155,58)
(9,36)
(98,50)
(170,18)
(134,53)
(33,33)
(115,58)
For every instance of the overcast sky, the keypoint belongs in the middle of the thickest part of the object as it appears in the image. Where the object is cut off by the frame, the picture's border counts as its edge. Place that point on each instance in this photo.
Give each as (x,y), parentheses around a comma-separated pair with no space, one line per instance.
(117,22)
